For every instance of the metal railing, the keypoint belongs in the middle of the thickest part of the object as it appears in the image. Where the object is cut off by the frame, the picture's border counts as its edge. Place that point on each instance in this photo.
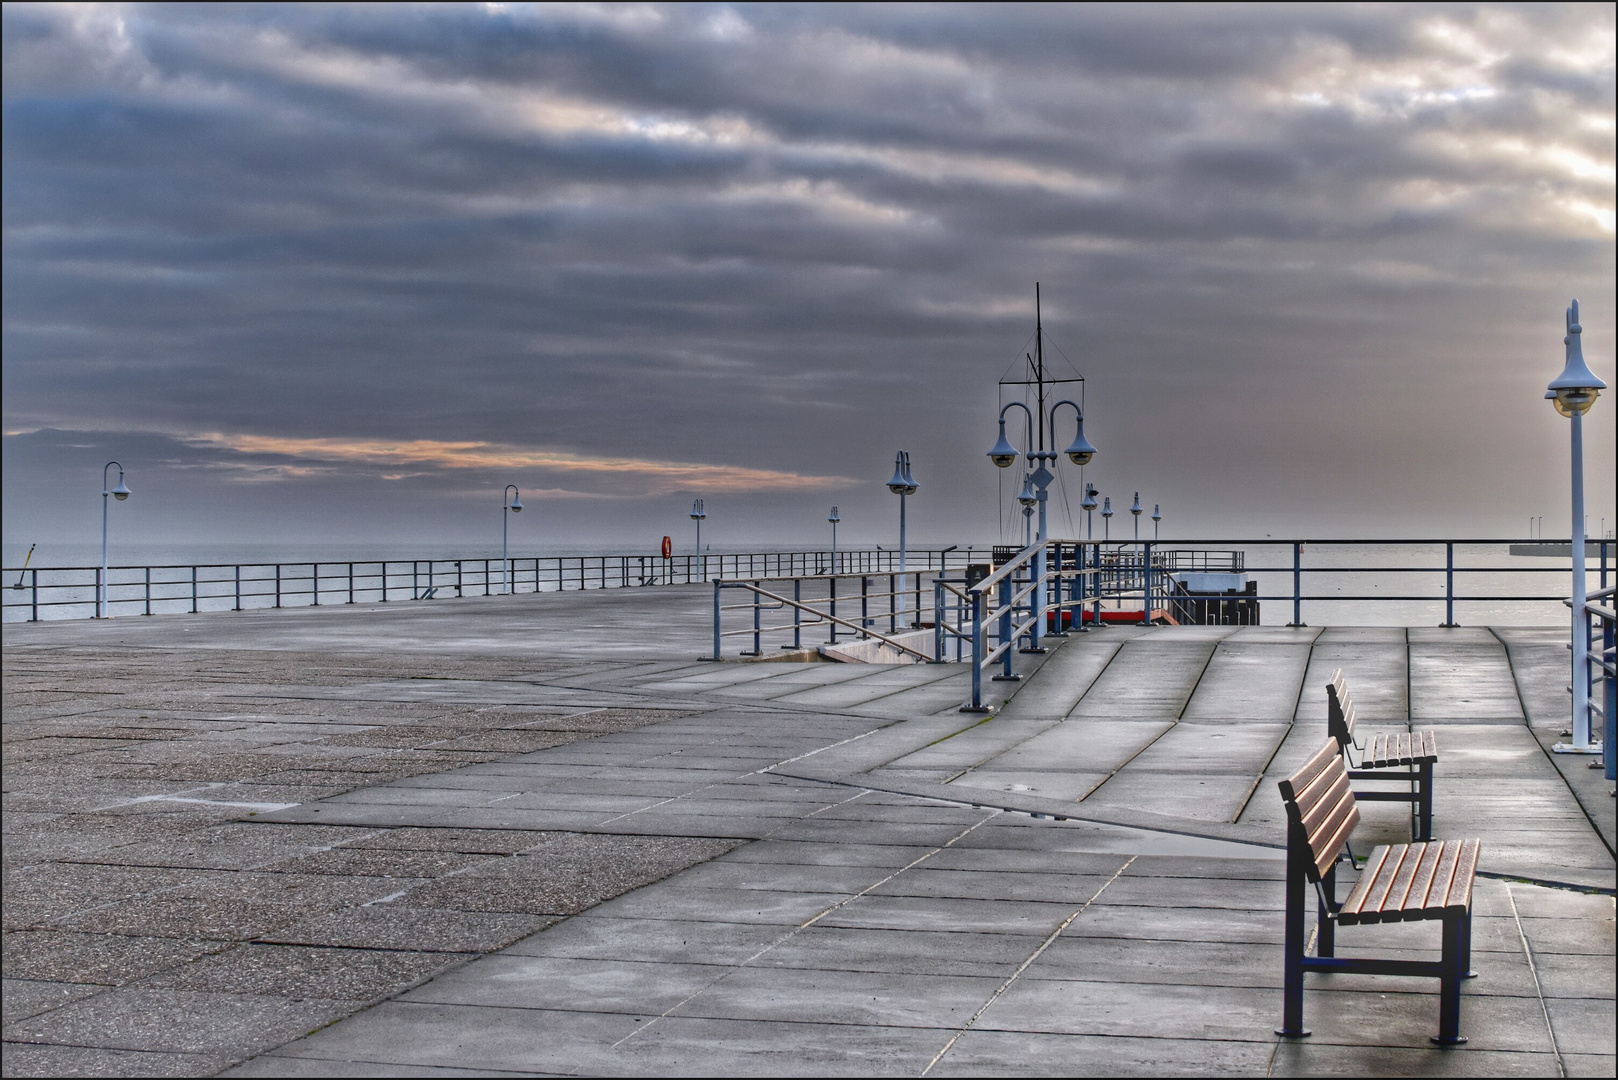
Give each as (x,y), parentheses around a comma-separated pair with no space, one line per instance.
(1598,626)
(40,593)
(899,605)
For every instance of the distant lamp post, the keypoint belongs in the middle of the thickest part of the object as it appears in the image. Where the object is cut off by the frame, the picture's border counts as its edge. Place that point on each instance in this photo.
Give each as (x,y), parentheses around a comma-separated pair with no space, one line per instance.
(902,485)
(1572,393)
(1106,519)
(697,515)
(834,517)
(121,492)
(1157,516)
(1137,511)
(514,505)
(1089,506)
(1029,499)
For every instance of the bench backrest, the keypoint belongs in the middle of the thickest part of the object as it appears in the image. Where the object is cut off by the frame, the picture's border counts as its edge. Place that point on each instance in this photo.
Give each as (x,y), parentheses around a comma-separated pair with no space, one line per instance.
(1339,710)
(1320,808)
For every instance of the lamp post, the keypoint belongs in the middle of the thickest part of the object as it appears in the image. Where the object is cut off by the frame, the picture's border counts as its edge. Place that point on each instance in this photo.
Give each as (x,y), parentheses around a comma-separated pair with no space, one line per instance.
(1573,392)
(1003,454)
(902,485)
(1137,511)
(1106,519)
(834,517)
(120,493)
(514,505)
(697,515)
(1157,516)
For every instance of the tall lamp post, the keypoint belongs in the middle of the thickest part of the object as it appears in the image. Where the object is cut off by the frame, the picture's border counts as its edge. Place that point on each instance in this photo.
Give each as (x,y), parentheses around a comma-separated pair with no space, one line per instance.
(1106,519)
(1573,392)
(1003,454)
(697,515)
(902,485)
(514,505)
(120,493)
(834,517)
(1157,516)
(1137,511)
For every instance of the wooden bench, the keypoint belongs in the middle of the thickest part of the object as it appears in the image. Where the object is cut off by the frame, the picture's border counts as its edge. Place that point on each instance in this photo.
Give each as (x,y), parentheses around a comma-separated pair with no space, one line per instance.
(1399,883)
(1395,755)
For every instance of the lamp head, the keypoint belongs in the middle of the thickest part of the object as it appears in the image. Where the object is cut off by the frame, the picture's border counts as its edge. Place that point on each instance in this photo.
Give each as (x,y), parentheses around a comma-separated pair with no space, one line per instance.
(516,505)
(1577,387)
(1003,453)
(1106,508)
(697,512)
(1089,502)
(1136,509)
(835,517)
(121,492)
(902,484)
(1027,496)
(1157,513)
(1081,451)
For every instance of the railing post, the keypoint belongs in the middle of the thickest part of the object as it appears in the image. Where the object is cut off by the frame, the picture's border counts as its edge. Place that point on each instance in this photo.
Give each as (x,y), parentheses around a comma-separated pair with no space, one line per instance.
(277,584)
(1007,620)
(977,651)
(893,605)
(148,590)
(102,603)
(758,647)
(1609,689)
(831,584)
(238,586)
(33,602)
(1297,584)
(865,602)
(938,619)
(384,574)
(1146,556)
(797,613)
(350,583)
(717,655)
(314,573)
(1449,584)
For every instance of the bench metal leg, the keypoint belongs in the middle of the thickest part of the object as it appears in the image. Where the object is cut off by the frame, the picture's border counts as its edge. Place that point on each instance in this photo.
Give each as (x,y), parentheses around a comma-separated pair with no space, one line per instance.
(1449,983)
(1292,978)
(1426,794)
(1325,925)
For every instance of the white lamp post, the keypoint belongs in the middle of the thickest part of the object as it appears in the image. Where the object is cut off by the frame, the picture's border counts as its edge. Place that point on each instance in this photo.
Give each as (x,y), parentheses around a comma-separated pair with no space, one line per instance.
(1573,392)
(1157,516)
(514,505)
(1106,519)
(834,518)
(902,485)
(120,493)
(697,515)
(1137,511)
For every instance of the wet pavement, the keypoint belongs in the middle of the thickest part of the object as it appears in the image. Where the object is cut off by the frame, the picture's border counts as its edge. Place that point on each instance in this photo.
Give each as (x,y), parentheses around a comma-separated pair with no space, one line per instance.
(537,834)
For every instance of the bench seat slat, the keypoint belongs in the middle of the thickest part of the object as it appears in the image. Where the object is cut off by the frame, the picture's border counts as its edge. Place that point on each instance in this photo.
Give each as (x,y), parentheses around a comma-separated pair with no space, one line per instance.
(1429,745)
(1385,877)
(1422,881)
(1392,909)
(1466,865)
(1443,878)
(1348,914)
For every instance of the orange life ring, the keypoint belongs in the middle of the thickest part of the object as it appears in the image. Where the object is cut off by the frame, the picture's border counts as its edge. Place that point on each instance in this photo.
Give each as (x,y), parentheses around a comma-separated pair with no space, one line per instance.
(668,547)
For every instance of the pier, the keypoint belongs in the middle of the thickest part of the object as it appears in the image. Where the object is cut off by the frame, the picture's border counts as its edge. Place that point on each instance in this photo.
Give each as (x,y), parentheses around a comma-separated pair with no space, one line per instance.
(538,834)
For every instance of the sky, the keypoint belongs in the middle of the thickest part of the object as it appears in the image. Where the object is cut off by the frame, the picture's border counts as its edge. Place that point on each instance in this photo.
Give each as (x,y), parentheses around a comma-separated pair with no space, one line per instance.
(335,275)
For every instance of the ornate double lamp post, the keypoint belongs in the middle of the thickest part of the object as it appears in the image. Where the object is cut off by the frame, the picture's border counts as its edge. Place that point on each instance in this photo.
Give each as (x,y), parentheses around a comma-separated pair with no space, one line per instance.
(1037,483)
(902,485)
(1572,393)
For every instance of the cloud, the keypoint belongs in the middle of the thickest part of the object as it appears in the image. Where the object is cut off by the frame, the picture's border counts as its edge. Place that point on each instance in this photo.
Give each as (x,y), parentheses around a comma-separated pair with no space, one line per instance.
(648,476)
(643,248)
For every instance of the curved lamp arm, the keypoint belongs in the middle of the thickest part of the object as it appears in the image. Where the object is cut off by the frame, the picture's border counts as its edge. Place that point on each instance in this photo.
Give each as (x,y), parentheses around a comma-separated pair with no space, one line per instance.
(1081,451)
(1003,453)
